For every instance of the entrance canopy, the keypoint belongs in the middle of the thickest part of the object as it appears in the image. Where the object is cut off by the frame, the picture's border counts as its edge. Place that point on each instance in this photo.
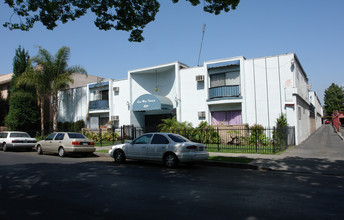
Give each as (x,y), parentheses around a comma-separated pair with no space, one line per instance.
(148,102)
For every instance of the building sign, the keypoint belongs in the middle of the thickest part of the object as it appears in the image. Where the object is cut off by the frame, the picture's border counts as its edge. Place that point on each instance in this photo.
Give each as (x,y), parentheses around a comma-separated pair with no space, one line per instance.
(145,103)
(149,102)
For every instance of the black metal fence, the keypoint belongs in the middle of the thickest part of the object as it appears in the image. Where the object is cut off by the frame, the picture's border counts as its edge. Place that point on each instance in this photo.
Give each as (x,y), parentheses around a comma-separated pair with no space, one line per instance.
(231,140)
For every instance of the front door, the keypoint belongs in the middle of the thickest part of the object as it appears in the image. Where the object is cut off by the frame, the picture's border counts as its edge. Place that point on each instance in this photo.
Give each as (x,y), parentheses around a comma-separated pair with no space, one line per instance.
(138,148)
(152,121)
(158,147)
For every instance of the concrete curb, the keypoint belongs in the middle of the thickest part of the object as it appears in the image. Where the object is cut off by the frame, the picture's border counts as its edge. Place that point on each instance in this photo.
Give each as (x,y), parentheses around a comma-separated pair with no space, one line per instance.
(340,135)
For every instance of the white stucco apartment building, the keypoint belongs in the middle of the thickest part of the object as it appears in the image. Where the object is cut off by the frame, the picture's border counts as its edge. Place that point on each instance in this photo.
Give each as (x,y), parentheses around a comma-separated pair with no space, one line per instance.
(221,92)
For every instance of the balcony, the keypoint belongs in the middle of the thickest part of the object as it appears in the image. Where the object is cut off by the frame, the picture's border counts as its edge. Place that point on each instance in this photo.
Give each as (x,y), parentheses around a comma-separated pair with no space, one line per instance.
(224,91)
(99,104)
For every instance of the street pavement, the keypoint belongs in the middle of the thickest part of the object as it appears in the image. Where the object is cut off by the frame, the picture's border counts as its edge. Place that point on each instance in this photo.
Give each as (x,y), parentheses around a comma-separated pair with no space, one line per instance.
(322,153)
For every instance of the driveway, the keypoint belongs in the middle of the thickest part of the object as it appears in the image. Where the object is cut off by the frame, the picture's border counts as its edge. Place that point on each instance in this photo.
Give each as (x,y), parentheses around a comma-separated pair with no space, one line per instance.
(321,153)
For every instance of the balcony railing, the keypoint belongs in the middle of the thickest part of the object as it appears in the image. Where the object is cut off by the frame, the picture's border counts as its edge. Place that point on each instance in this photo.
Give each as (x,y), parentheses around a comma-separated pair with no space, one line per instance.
(224,91)
(99,104)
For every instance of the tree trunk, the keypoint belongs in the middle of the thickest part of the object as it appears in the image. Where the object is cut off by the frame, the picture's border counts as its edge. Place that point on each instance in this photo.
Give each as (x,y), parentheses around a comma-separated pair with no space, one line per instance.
(42,115)
(55,113)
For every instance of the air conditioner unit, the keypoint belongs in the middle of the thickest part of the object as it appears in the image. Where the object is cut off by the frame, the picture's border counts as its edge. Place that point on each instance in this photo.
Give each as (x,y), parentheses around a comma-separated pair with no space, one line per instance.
(201,114)
(115,118)
(116,89)
(200,78)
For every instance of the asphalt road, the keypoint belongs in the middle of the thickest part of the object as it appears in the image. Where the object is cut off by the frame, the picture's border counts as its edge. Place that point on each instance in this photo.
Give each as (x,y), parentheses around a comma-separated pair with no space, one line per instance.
(49,187)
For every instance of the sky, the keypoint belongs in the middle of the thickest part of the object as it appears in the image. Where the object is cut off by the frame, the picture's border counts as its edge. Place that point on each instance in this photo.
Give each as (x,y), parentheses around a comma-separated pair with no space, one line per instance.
(312,29)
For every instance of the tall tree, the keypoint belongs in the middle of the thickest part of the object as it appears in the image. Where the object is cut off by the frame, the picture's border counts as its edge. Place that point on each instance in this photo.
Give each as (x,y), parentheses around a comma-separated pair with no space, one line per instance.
(333,99)
(131,16)
(50,75)
(23,111)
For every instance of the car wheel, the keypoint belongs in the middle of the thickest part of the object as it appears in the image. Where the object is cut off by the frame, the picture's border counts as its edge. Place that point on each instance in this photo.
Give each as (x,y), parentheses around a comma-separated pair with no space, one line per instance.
(4,147)
(170,160)
(61,152)
(119,156)
(39,149)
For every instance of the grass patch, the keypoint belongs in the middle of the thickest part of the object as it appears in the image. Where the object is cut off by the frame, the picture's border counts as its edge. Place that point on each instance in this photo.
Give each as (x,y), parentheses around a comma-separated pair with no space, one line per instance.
(245,149)
(102,151)
(231,159)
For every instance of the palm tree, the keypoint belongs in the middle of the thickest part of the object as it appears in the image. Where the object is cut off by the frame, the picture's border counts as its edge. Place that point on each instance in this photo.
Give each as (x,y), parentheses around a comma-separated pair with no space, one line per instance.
(50,75)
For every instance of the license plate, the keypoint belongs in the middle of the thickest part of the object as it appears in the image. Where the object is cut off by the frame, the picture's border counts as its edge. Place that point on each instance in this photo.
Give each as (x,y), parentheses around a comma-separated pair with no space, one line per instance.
(84,143)
(200,148)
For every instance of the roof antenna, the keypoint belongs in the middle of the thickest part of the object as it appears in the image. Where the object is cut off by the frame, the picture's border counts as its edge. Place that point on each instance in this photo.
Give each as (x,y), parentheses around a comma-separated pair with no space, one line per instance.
(200,50)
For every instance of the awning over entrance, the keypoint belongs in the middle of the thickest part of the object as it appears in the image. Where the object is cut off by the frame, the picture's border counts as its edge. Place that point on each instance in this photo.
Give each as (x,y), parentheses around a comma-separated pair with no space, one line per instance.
(150,102)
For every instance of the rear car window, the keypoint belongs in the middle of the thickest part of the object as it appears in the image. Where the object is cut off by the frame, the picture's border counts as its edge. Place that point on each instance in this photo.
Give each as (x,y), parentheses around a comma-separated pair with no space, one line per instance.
(76,135)
(3,135)
(178,138)
(14,135)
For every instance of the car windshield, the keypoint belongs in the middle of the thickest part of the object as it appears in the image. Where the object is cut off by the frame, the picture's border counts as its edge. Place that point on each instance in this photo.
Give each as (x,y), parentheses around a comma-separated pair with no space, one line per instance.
(178,138)
(14,135)
(76,135)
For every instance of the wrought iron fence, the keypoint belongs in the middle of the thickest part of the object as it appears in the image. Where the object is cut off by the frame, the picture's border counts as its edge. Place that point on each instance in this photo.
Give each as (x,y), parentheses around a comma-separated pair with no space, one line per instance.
(243,140)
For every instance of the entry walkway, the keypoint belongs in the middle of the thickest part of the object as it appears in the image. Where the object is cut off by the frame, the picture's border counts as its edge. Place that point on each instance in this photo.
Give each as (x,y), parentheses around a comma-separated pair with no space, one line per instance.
(321,153)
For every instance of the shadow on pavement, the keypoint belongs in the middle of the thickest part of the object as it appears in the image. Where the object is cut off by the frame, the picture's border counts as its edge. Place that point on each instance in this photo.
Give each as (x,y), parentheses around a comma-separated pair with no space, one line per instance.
(305,165)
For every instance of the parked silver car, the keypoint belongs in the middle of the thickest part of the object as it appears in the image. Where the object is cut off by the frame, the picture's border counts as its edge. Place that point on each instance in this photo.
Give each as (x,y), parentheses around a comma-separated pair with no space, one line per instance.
(16,140)
(167,147)
(65,142)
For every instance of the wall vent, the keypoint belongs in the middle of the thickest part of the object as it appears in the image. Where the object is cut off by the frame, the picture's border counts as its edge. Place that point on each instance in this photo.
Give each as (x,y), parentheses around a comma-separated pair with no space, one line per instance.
(115,118)
(201,114)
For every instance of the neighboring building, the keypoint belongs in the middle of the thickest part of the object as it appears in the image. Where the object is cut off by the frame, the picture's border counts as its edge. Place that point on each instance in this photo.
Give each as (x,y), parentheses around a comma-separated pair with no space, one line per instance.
(5,83)
(229,91)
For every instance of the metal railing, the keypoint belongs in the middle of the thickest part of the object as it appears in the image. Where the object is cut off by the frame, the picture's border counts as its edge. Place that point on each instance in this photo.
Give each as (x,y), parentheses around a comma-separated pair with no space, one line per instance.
(224,91)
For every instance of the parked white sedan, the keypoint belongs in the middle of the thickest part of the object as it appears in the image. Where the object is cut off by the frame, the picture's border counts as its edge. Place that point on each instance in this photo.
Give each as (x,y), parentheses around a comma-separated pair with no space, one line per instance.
(16,140)
(167,147)
(65,142)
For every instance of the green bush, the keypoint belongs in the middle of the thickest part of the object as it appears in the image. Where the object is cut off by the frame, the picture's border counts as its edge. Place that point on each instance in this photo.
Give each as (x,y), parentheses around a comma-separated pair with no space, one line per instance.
(205,134)
(71,126)
(78,125)
(257,136)
(280,134)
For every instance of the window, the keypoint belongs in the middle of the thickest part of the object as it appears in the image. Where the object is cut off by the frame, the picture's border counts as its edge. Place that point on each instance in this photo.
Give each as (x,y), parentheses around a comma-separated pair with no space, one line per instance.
(178,139)
(231,78)
(103,121)
(145,139)
(217,80)
(299,112)
(105,94)
(99,95)
(59,136)
(226,118)
(19,135)
(76,135)
(3,135)
(159,139)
